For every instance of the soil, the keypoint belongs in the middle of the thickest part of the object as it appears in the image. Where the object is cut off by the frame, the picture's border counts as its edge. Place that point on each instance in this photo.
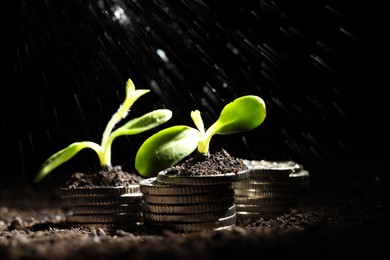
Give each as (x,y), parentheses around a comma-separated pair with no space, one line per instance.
(345,220)
(106,177)
(220,162)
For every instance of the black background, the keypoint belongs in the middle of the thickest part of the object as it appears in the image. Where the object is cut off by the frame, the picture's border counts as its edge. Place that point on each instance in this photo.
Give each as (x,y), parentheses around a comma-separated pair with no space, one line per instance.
(320,67)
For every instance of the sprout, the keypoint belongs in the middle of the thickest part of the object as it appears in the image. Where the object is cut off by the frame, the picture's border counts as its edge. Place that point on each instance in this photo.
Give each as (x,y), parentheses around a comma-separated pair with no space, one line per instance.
(103,151)
(169,146)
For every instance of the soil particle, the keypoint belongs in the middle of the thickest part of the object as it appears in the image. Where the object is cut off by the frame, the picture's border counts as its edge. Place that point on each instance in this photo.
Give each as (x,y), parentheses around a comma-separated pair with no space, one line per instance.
(331,221)
(107,177)
(314,231)
(220,162)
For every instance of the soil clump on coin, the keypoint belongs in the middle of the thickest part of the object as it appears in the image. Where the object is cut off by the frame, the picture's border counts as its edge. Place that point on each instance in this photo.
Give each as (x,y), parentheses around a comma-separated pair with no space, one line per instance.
(220,162)
(106,177)
(344,218)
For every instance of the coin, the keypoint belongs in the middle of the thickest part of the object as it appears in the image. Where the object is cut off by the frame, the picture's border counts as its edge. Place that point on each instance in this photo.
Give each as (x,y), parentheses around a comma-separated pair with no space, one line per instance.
(190,217)
(262,208)
(190,203)
(258,215)
(265,193)
(271,167)
(154,187)
(165,177)
(280,170)
(269,186)
(105,200)
(105,218)
(300,175)
(115,225)
(106,209)
(190,199)
(263,201)
(189,208)
(100,191)
(222,223)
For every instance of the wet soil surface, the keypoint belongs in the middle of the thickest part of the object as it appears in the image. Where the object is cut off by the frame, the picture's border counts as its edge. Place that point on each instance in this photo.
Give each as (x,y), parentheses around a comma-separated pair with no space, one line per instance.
(349,219)
(106,177)
(220,162)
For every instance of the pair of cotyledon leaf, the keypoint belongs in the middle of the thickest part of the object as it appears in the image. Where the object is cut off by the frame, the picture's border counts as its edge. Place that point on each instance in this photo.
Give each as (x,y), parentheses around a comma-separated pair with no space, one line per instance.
(168,146)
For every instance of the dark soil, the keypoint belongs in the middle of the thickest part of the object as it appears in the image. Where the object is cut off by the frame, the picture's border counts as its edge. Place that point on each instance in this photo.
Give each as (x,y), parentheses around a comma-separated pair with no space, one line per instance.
(345,220)
(220,162)
(106,177)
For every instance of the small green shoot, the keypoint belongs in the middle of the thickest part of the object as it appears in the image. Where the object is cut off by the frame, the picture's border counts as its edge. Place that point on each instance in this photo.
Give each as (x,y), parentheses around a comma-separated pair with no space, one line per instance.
(103,151)
(169,146)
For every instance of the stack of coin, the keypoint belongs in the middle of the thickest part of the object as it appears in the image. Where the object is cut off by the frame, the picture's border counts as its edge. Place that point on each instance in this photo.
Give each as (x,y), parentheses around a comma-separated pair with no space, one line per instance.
(190,203)
(104,206)
(271,190)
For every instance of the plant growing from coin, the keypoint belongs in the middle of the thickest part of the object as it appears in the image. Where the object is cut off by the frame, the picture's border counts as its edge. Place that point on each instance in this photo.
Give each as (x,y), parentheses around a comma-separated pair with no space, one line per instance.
(103,150)
(169,146)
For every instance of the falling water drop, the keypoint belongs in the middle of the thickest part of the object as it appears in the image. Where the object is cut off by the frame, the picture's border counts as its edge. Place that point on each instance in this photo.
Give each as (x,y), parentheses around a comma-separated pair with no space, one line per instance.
(76,56)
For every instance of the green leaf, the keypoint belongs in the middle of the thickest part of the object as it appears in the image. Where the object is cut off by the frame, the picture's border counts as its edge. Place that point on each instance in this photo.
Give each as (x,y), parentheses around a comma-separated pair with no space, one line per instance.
(197,118)
(64,155)
(243,114)
(132,94)
(165,148)
(143,123)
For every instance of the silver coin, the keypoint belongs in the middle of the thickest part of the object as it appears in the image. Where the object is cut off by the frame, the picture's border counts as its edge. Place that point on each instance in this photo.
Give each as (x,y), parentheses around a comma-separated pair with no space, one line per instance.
(264,166)
(278,178)
(116,225)
(189,199)
(296,180)
(263,201)
(222,223)
(154,187)
(262,208)
(100,191)
(190,217)
(280,170)
(266,194)
(105,200)
(165,177)
(300,175)
(269,186)
(191,208)
(256,215)
(106,209)
(106,218)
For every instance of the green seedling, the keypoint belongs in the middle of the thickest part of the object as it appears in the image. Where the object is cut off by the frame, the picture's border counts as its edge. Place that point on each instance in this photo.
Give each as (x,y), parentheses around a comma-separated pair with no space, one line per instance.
(169,146)
(103,151)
